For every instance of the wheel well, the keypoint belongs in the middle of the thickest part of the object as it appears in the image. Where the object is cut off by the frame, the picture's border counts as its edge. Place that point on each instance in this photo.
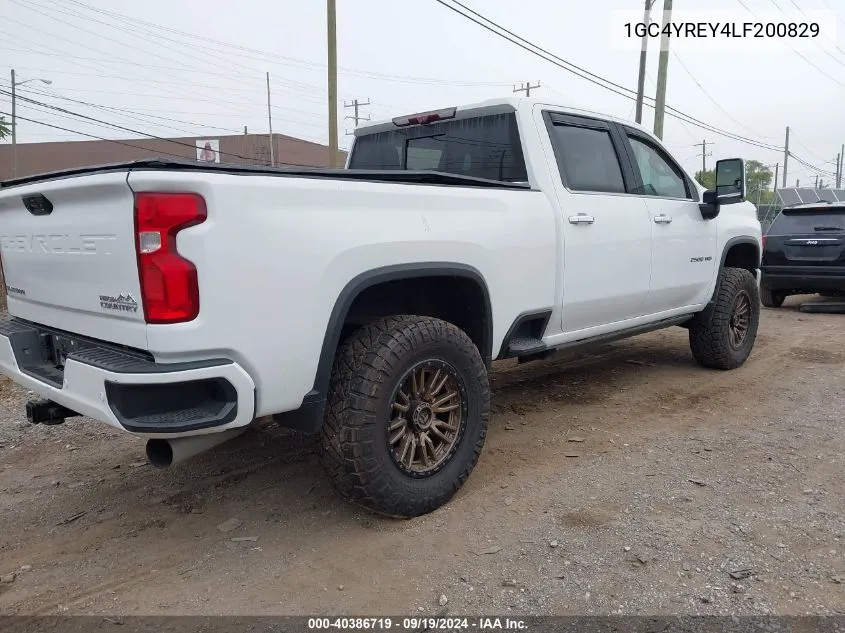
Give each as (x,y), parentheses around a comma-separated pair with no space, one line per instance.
(457,299)
(743,255)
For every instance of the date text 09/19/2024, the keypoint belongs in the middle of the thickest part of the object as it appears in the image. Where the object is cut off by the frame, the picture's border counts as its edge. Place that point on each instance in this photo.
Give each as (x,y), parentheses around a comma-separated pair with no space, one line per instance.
(417,623)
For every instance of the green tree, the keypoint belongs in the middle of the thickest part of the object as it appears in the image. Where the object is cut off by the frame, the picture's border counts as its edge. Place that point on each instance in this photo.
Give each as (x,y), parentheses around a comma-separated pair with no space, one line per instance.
(706,179)
(4,129)
(758,179)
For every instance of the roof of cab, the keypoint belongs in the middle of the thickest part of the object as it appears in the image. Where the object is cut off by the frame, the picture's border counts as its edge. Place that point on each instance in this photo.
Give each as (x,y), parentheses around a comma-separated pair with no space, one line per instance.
(502,104)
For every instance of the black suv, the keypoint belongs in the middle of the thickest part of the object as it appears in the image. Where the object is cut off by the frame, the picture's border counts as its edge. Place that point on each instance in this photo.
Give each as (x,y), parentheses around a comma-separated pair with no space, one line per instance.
(804,253)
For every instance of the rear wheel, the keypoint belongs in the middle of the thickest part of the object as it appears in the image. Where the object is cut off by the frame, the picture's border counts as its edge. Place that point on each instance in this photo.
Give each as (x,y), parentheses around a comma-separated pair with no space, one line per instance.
(722,338)
(406,415)
(770,298)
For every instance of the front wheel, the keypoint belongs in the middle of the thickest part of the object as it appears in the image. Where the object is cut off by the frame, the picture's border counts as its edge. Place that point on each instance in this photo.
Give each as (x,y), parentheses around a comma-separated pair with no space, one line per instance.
(771,299)
(406,415)
(722,337)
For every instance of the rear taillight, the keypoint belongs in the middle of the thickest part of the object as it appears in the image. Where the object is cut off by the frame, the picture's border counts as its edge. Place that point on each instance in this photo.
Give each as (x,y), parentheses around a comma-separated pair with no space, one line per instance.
(169,287)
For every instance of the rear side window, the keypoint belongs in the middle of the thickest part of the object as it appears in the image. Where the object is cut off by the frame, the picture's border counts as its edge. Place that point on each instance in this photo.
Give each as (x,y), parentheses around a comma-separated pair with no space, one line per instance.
(808,221)
(480,147)
(588,159)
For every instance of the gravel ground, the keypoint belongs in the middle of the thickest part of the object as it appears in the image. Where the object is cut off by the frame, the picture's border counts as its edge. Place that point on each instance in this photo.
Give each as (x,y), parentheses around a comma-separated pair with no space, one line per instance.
(623,480)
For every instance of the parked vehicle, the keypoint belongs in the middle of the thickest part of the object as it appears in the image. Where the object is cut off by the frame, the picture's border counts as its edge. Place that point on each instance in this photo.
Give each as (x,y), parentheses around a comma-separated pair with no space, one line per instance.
(179,301)
(804,253)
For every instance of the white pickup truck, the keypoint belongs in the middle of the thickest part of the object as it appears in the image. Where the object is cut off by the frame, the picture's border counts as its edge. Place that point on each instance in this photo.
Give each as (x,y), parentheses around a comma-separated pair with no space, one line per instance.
(180,302)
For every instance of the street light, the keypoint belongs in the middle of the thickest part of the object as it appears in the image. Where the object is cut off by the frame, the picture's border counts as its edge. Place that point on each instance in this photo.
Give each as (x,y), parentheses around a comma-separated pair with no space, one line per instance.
(15,84)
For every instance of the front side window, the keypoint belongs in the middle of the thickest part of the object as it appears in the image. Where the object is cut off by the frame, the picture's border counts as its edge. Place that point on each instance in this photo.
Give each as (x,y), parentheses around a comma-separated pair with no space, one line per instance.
(588,159)
(659,177)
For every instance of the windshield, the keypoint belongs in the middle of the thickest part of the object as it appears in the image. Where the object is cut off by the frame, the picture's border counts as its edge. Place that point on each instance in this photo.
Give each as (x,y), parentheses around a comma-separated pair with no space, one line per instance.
(480,147)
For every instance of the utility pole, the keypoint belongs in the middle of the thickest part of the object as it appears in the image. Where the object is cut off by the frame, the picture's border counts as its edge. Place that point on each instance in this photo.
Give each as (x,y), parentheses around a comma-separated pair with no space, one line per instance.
(662,70)
(245,132)
(786,156)
(797,183)
(270,122)
(14,131)
(355,105)
(775,182)
(526,88)
(840,158)
(331,14)
(704,153)
(643,55)
(817,182)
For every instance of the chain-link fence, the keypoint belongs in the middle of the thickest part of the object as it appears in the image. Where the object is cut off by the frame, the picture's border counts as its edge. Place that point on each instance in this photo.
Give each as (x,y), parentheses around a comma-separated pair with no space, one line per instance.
(767,213)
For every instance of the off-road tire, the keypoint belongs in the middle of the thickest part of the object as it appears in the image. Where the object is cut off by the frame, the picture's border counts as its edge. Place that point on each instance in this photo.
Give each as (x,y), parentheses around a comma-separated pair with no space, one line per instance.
(710,330)
(771,299)
(368,369)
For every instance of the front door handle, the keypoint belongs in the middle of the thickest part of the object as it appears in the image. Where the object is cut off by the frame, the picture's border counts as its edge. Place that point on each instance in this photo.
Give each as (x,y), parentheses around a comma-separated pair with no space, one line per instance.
(662,219)
(581,218)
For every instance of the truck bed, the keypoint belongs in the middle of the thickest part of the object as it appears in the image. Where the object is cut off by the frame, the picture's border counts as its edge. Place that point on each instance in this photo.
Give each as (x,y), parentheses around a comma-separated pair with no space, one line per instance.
(168,164)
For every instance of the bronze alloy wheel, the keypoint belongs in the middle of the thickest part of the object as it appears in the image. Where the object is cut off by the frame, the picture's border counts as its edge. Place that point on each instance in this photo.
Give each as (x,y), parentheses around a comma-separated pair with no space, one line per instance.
(427,418)
(740,319)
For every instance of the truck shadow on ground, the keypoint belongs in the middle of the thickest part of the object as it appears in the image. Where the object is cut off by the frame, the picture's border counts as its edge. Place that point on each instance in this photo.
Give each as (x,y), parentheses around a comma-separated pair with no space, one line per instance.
(286,463)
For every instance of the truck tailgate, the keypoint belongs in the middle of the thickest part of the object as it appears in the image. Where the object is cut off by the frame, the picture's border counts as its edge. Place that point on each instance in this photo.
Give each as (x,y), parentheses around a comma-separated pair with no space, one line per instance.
(69,256)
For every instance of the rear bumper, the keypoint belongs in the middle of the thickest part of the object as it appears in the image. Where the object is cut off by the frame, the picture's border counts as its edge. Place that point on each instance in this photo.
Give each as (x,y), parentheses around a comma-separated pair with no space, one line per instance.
(128,391)
(803,280)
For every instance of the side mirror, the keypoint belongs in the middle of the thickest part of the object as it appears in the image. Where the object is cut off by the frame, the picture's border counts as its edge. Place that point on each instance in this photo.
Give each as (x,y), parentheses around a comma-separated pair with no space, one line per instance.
(730,181)
(730,187)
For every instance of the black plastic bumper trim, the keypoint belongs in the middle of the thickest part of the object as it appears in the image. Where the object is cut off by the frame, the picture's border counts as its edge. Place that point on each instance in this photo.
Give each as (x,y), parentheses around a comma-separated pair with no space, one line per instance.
(173,407)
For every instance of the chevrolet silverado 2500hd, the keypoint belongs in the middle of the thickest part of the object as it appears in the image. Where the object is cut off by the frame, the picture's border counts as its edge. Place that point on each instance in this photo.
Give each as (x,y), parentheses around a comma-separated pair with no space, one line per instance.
(180,302)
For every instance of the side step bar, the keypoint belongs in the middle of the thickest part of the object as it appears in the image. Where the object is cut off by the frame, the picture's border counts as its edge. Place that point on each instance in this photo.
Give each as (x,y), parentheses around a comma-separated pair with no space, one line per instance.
(47,412)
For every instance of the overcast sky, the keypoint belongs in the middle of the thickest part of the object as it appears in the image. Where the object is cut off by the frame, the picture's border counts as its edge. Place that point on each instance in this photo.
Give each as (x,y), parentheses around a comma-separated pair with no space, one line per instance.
(138,60)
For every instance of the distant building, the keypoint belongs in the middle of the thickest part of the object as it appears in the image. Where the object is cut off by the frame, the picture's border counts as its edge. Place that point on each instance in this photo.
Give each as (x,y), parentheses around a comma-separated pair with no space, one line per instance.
(240,149)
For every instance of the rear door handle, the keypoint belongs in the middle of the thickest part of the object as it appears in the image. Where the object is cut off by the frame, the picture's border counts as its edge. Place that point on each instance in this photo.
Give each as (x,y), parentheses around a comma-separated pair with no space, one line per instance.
(662,219)
(581,218)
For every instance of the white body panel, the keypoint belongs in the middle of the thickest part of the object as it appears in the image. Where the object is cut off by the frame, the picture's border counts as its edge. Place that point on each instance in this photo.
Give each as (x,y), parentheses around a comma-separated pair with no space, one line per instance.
(276,252)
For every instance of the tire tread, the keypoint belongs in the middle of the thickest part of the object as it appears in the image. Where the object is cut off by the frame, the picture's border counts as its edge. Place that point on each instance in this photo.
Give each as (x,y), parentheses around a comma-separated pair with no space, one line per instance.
(709,337)
(365,365)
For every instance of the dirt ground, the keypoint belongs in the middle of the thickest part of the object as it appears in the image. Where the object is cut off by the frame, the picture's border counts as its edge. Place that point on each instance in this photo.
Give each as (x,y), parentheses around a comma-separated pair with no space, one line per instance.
(621,480)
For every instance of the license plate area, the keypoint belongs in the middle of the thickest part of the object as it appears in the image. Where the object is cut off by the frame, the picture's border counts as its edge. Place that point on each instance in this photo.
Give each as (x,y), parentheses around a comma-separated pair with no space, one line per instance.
(42,353)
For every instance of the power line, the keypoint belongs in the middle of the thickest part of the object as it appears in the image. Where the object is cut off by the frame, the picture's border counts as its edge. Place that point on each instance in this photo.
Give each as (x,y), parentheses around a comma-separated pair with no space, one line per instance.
(99,138)
(128,112)
(122,127)
(807,149)
(824,35)
(834,80)
(564,64)
(592,77)
(265,56)
(707,94)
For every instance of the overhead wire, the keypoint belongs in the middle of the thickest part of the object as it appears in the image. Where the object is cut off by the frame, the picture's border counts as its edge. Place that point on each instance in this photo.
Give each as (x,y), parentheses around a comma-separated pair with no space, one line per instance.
(99,138)
(265,56)
(833,79)
(824,35)
(123,127)
(589,76)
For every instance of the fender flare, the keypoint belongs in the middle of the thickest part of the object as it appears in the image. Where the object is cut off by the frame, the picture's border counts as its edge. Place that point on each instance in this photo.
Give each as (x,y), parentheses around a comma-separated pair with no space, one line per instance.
(734,241)
(309,416)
